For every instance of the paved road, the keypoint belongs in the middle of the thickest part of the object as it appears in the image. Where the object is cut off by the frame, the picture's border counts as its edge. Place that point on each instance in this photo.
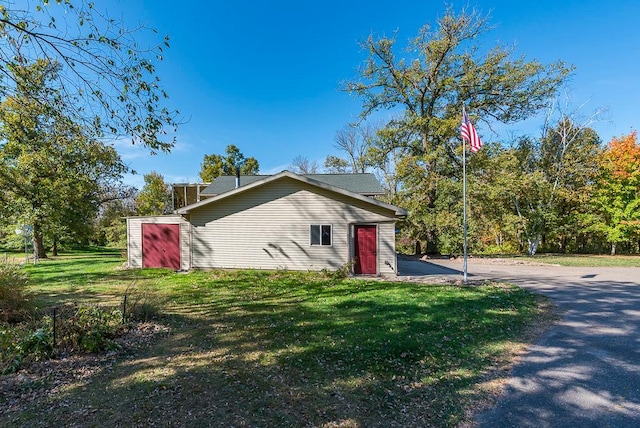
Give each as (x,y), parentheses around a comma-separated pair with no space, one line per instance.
(585,372)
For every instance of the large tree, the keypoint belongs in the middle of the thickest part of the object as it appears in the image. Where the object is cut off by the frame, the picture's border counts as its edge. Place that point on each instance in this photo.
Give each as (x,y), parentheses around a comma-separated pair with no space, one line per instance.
(442,69)
(615,205)
(107,77)
(354,141)
(109,227)
(551,181)
(233,161)
(53,172)
(492,185)
(155,196)
(302,165)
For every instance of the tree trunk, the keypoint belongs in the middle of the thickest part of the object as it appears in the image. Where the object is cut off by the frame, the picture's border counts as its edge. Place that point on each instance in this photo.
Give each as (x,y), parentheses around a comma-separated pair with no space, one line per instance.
(613,248)
(431,195)
(432,247)
(55,247)
(533,245)
(431,231)
(38,242)
(418,249)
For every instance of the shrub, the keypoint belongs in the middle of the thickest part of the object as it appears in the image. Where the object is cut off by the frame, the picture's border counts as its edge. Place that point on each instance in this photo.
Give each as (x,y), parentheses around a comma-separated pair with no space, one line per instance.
(88,328)
(142,304)
(20,346)
(10,358)
(493,249)
(78,329)
(37,345)
(341,273)
(15,302)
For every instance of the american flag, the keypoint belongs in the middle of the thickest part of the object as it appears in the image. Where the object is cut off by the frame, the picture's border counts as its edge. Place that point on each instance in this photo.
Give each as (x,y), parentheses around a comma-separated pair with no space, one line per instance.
(469,132)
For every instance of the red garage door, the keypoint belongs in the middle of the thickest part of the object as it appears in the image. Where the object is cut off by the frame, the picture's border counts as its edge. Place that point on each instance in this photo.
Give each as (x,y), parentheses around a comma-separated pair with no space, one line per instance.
(366,251)
(161,245)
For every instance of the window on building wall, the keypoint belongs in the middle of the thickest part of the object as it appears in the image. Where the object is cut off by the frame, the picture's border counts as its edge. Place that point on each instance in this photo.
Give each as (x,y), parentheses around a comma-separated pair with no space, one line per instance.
(320,234)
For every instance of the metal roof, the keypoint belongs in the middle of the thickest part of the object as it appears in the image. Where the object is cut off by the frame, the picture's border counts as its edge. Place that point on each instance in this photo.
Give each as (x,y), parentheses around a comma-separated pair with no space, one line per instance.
(364,184)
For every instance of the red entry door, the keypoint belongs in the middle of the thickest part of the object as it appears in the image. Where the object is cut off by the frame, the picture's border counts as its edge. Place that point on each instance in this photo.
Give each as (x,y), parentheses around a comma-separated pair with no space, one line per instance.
(161,245)
(366,250)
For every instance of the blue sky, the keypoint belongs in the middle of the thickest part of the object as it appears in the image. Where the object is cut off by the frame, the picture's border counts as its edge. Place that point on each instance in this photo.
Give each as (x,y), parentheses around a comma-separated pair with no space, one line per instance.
(264,75)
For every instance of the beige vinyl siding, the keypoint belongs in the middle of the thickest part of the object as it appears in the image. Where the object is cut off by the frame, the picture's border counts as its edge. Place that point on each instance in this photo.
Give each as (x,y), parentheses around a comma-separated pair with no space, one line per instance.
(268,228)
(134,239)
(387,259)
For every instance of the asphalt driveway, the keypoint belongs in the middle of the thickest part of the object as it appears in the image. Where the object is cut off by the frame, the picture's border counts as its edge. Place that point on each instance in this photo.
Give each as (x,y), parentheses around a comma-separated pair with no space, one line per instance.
(585,372)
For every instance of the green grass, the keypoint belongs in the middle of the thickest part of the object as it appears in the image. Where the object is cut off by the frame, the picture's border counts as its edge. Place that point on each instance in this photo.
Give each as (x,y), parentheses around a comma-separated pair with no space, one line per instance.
(256,348)
(584,260)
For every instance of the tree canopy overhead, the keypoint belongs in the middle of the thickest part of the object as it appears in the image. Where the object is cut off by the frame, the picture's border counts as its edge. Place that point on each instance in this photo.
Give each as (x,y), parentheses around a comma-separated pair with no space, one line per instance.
(443,68)
(107,78)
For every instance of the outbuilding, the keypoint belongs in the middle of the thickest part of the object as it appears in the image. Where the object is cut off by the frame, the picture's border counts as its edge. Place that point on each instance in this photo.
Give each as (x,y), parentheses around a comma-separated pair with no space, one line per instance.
(283,221)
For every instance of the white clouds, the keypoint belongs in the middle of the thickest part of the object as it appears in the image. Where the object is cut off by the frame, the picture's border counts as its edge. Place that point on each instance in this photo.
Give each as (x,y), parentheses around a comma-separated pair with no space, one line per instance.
(182,145)
(276,169)
(129,151)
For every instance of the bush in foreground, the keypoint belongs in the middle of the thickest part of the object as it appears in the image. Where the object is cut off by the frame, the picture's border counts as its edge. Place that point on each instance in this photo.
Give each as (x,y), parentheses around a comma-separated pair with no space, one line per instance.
(69,330)
(15,301)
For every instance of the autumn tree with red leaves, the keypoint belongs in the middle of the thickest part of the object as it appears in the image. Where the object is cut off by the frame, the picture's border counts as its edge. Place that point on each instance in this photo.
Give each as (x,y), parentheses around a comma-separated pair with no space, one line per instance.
(616,199)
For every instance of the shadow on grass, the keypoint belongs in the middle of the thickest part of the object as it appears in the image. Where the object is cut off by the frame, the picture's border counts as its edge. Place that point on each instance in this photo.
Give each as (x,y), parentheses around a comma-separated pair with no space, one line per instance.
(283,349)
(92,278)
(247,353)
(71,271)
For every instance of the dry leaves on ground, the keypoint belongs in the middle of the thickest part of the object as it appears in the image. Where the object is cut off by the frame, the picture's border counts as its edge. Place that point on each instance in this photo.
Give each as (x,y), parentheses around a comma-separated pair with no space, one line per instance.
(47,378)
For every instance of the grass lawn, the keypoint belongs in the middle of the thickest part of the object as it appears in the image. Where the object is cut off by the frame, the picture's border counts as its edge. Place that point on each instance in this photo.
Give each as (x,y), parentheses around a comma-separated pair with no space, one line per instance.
(255,348)
(582,260)
(589,260)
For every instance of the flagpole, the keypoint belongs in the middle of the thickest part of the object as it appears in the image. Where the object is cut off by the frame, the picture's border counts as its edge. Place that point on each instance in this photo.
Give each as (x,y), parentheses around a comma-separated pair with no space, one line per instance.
(464,207)
(468,133)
